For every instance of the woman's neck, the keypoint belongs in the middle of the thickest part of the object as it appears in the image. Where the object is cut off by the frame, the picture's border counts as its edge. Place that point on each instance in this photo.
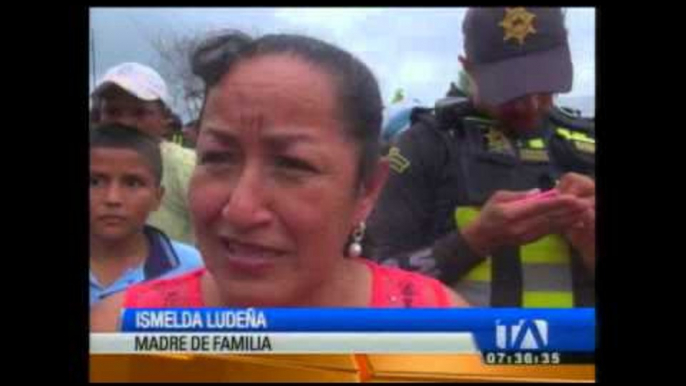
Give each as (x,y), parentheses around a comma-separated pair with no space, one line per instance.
(350,286)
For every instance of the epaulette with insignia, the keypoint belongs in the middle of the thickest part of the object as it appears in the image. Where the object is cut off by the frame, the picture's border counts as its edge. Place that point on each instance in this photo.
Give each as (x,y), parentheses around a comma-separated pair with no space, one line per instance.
(397,161)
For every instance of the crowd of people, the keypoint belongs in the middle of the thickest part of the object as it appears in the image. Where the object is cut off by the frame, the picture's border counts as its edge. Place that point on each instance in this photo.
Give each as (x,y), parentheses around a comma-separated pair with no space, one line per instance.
(286,192)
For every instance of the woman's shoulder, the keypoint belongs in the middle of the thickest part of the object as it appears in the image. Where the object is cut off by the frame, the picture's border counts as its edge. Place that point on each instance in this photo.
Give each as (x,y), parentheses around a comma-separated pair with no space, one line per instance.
(395,287)
(177,291)
(181,290)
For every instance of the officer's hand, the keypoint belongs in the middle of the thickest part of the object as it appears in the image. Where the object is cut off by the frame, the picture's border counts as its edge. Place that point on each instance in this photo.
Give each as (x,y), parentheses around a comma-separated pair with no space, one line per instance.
(578,185)
(506,221)
(582,233)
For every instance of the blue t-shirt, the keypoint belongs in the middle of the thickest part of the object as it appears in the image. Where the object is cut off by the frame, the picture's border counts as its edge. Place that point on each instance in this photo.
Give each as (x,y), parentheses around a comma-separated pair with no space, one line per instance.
(166,258)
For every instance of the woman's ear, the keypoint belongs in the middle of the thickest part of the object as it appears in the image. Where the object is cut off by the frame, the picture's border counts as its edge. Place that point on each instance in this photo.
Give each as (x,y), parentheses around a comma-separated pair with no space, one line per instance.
(370,190)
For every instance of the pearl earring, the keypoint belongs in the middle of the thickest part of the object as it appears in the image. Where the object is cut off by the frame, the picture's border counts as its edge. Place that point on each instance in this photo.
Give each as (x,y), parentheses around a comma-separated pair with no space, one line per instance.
(355,248)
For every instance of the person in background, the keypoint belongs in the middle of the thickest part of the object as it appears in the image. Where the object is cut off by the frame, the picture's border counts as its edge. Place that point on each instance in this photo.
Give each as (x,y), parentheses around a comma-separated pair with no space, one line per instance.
(136,95)
(459,203)
(125,177)
(174,128)
(190,134)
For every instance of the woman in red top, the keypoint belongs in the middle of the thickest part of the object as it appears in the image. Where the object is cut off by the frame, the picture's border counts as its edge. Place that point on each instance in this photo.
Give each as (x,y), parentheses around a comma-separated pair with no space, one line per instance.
(288,170)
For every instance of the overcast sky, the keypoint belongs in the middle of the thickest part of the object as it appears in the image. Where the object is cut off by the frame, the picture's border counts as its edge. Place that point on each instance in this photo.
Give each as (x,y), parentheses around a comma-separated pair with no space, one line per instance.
(411,48)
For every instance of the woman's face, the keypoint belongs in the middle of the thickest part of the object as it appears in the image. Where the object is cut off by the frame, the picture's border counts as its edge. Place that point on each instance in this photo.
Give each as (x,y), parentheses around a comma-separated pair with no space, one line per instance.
(274,195)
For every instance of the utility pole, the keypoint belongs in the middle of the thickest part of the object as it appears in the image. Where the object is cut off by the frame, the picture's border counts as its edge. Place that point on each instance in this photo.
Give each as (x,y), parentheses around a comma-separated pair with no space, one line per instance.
(93,77)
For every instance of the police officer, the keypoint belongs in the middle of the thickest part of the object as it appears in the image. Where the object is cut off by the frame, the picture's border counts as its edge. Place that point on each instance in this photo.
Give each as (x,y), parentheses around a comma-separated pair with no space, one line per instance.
(460,203)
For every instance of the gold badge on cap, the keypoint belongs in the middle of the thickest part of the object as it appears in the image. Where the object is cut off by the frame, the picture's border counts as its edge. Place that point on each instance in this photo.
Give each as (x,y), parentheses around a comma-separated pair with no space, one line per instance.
(518,24)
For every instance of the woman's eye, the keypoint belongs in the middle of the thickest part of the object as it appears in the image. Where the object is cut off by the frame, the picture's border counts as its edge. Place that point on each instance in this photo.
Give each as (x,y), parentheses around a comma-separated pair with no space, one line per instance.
(217,158)
(295,164)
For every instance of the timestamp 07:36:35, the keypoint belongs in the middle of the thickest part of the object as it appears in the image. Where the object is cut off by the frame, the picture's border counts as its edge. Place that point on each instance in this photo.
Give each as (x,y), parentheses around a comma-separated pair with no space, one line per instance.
(521,358)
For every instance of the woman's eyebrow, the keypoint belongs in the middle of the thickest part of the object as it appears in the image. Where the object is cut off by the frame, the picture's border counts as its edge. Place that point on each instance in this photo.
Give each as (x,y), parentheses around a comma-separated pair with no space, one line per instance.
(223,137)
(283,141)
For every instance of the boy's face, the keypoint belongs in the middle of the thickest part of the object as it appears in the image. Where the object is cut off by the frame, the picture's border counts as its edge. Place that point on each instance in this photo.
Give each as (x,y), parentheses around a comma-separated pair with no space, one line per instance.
(123,191)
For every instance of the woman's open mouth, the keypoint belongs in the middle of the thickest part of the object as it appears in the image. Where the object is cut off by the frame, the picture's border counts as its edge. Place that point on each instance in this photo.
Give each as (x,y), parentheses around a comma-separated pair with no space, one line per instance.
(248,258)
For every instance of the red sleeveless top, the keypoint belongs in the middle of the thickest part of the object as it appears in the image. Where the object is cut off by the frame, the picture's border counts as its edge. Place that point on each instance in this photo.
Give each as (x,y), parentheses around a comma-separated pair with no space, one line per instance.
(391,287)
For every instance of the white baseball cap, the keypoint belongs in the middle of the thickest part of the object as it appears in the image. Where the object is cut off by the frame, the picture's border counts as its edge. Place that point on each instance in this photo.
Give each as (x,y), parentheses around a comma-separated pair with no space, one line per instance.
(137,79)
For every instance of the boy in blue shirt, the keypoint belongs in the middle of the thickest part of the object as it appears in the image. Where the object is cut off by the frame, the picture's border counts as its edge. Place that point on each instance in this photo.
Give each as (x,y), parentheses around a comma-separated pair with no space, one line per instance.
(125,186)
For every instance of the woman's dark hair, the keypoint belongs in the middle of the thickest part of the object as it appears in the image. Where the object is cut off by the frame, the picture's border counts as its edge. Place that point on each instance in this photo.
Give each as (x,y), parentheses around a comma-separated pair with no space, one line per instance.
(358,96)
